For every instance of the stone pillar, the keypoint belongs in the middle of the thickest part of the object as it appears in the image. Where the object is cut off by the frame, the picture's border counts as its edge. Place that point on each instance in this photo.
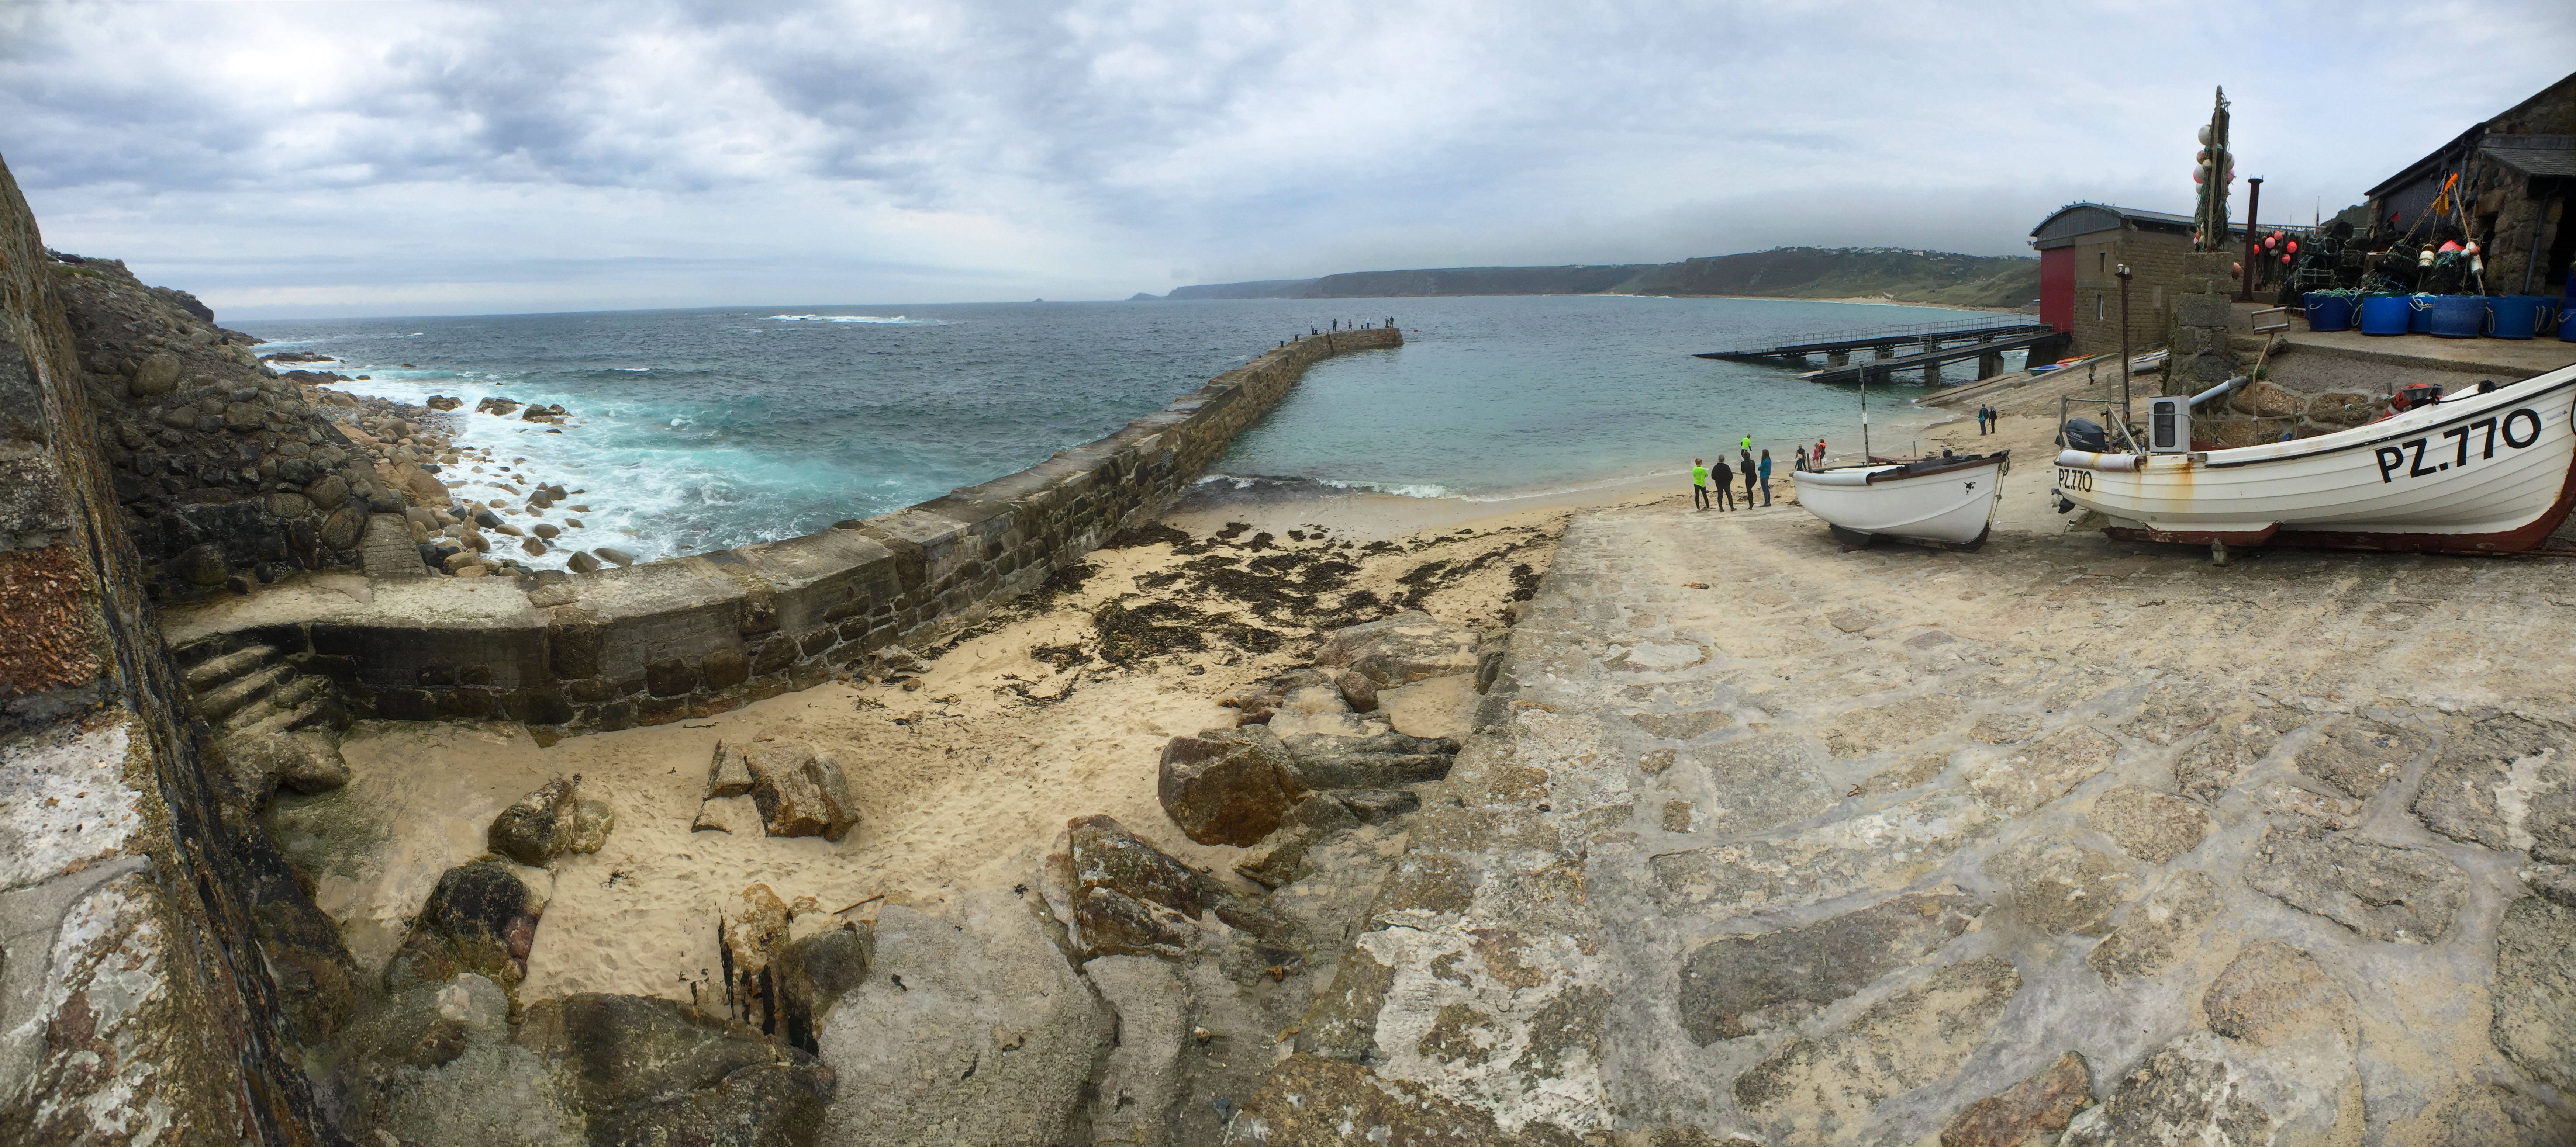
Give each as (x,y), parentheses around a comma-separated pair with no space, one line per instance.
(2200,354)
(1932,374)
(1838,358)
(1989,365)
(1886,352)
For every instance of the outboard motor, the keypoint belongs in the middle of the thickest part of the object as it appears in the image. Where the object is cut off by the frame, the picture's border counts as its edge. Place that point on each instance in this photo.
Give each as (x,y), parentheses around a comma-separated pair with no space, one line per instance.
(2087,435)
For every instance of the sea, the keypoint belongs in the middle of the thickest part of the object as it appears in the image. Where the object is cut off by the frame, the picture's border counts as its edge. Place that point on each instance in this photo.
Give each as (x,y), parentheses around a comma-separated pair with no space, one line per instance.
(696,430)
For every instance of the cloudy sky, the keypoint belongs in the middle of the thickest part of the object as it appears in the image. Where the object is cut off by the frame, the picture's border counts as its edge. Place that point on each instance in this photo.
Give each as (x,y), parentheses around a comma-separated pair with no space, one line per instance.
(308,159)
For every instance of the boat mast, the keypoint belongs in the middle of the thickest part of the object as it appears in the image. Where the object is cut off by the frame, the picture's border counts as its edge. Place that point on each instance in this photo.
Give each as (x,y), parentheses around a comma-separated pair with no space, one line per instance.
(1864,415)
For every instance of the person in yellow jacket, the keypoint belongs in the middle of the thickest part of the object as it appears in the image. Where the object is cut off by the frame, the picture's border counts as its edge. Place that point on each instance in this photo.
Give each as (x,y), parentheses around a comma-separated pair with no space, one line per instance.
(1699,483)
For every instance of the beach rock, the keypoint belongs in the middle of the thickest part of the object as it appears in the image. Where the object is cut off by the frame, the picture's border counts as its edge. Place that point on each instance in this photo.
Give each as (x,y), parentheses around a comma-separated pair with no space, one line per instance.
(620,558)
(157,374)
(2535,989)
(2506,783)
(1401,649)
(340,530)
(200,565)
(2360,756)
(1378,806)
(487,519)
(799,792)
(2160,932)
(969,1030)
(812,975)
(2150,825)
(2059,887)
(1223,785)
(729,775)
(2404,895)
(2027,1111)
(1140,1080)
(581,562)
(545,531)
(442,402)
(534,547)
(1131,898)
(309,761)
(459,560)
(752,935)
(1382,761)
(1743,984)
(328,493)
(1814,1087)
(479,919)
(649,1071)
(562,817)
(1357,690)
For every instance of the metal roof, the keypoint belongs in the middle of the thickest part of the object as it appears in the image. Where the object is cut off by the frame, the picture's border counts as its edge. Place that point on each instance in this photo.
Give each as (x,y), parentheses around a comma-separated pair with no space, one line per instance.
(2074,219)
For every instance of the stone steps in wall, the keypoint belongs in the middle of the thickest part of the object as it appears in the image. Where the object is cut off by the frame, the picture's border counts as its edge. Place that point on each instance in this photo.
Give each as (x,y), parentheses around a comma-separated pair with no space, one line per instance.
(388,549)
(233,695)
(290,695)
(313,712)
(222,667)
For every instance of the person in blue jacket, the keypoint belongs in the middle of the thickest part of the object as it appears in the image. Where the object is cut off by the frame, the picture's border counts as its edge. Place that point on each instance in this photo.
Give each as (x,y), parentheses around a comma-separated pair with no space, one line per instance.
(1765,467)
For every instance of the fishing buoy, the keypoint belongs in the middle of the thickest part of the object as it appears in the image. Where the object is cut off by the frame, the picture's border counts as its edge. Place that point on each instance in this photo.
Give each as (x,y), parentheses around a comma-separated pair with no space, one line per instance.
(2473,247)
(2235,269)
(2425,259)
(2285,260)
(2293,246)
(2204,135)
(2200,176)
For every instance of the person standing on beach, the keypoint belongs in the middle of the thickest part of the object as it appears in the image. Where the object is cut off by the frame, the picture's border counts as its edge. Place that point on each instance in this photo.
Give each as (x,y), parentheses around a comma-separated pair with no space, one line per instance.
(1699,484)
(1747,469)
(1766,477)
(1725,477)
(1816,461)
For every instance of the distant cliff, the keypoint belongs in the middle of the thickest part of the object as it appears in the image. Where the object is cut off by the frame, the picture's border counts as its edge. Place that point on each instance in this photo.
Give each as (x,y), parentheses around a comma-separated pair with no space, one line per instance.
(1783,272)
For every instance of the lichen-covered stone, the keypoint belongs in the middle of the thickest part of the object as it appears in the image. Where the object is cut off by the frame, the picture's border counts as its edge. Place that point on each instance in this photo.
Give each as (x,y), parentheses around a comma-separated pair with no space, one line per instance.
(1823,1089)
(2506,783)
(2027,1111)
(480,918)
(1141,1079)
(2360,756)
(2160,931)
(2053,765)
(1744,984)
(1131,898)
(800,792)
(2149,825)
(2060,887)
(1881,849)
(1864,731)
(1383,761)
(969,1029)
(2406,895)
(1311,1101)
(563,816)
(2535,989)
(1402,649)
(1223,786)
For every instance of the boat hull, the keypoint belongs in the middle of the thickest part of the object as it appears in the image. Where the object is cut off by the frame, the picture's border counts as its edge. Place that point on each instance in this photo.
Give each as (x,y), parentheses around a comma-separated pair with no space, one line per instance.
(2482,473)
(1950,507)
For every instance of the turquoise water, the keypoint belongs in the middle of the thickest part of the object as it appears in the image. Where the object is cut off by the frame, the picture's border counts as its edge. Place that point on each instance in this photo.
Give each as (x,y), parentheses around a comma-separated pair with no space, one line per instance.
(701,429)
(1503,397)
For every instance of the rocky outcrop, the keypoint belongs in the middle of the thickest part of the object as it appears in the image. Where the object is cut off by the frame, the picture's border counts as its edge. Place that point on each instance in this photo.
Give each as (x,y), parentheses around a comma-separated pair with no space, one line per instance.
(970,1029)
(561,818)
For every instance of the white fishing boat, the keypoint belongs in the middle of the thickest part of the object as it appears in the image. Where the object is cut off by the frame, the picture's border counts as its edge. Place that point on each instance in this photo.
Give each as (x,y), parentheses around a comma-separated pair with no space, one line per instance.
(1947,503)
(2492,471)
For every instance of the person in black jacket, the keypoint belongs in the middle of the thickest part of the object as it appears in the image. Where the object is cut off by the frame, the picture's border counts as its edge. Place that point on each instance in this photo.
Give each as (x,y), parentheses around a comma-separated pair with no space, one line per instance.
(1721,479)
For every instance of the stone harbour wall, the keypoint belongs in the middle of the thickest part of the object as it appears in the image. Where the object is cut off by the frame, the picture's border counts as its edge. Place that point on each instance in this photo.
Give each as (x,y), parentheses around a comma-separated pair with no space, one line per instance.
(692,636)
(147,989)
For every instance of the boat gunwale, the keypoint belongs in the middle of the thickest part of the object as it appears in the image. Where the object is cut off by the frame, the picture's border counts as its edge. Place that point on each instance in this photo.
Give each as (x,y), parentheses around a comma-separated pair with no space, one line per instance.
(2212,459)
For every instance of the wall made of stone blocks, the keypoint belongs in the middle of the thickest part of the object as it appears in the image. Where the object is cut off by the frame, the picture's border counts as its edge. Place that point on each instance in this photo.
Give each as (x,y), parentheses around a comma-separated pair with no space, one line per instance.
(693,636)
(158,962)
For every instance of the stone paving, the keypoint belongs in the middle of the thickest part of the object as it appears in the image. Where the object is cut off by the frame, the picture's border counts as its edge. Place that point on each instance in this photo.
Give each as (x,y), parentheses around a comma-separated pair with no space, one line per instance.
(1897,846)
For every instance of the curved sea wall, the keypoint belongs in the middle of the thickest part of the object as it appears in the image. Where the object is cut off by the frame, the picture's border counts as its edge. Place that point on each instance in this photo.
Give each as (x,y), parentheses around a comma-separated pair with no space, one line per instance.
(692,636)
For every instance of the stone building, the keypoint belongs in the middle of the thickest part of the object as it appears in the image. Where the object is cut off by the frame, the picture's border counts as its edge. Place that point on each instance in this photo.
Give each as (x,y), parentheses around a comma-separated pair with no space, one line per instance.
(2081,246)
(2518,169)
